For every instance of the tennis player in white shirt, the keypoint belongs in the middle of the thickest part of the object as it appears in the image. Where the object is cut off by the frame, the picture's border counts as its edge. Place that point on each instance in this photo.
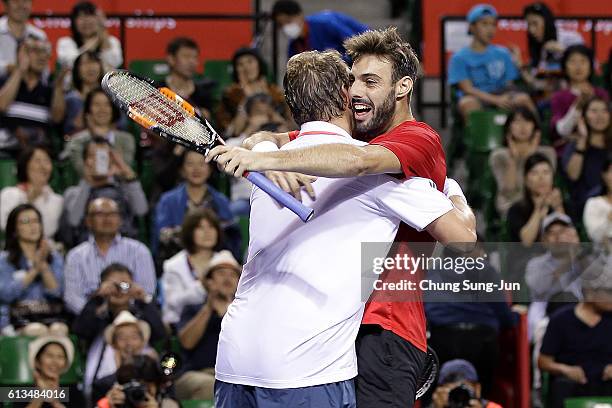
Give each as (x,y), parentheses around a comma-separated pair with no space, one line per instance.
(288,339)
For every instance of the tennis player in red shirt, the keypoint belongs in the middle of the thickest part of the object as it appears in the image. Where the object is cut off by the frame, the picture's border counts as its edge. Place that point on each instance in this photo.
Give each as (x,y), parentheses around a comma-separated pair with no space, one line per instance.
(392,345)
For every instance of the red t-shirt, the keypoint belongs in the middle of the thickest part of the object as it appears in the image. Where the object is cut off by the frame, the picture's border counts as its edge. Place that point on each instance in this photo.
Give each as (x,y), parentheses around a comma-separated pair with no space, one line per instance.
(420,152)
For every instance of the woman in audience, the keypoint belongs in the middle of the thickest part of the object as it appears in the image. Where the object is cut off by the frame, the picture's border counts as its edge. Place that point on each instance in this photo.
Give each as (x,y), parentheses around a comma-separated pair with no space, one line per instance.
(34,168)
(522,139)
(567,104)
(86,76)
(584,158)
(546,43)
(598,210)
(540,197)
(100,119)
(181,279)
(88,26)
(249,79)
(194,192)
(30,271)
(50,356)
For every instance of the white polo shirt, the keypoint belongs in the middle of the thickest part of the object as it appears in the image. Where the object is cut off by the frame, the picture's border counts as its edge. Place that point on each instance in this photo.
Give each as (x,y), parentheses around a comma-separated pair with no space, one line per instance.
(298,305)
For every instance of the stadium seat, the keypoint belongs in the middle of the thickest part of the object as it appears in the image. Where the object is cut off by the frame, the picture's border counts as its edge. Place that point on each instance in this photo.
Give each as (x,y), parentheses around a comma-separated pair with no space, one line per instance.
(14,368)
(588,402)
(8,172)
(243,222)
(152,69)
(484,130)
(197,404)
(220,71)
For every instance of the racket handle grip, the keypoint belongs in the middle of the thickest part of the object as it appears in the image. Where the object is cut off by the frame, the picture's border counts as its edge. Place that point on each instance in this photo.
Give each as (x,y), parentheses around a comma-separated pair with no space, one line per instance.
(286,199)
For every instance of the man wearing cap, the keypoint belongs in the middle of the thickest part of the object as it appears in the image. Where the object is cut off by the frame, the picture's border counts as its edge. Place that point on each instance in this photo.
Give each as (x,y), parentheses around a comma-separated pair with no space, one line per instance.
(458,385)
(576,350)
(200,326)
(553,276)
(483,73)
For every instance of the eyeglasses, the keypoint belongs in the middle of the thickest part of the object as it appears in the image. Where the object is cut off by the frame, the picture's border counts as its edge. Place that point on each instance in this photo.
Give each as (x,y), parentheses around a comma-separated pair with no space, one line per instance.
(28,220)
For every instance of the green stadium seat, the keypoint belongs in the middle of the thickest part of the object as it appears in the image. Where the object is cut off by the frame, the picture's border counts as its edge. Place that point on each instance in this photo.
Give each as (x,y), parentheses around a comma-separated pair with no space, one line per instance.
(152,69)
(484,130)
(243,224)
(220,71)
(588,402)
(197,404)
(8,172)
(14,368)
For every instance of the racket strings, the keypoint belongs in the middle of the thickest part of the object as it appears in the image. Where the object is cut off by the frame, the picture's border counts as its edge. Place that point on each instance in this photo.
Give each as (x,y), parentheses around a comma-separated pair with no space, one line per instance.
(148,102)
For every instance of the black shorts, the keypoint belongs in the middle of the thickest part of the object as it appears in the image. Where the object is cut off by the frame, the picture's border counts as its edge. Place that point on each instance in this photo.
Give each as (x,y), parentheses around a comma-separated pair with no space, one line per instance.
(389,368)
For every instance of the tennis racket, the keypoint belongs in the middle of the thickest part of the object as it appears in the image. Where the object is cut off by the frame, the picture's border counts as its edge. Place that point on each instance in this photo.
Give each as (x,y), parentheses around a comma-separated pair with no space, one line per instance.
(170,116)
(429,375)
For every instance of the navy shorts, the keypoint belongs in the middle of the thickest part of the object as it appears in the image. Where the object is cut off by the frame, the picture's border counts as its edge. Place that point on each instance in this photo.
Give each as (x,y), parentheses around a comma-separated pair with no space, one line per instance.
(335,395)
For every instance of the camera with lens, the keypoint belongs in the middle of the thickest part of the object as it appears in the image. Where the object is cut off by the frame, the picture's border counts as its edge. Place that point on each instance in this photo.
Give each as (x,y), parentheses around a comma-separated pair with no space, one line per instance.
(135,393)
(460,396)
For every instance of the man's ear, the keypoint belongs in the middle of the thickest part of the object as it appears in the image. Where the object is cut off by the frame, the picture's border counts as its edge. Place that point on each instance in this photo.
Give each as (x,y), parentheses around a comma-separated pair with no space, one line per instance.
(403,87)
(347,98)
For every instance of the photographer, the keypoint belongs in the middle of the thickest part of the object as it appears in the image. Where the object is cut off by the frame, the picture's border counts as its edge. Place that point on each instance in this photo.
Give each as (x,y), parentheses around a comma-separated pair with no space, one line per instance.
(140,384)
(458,387)
(117,292)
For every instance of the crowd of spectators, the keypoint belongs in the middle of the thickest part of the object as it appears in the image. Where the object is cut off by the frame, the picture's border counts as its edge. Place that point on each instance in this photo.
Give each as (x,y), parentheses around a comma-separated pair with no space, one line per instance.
(551,189)
(124,266)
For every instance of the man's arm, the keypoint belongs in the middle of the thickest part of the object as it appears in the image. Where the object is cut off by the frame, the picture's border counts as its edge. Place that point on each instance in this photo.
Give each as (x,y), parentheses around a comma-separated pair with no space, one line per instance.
(329,160)
(457,225)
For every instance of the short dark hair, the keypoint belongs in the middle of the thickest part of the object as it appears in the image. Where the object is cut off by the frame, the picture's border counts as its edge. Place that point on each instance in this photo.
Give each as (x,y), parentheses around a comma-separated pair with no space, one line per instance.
(578,49)
(179,42)
(83,7)
(77,81)
(241,52)
(142,368)
(96,140)
(287,7)
(24,158)
(114,267)
(89,100)
(313,84)
(525,113)
(192,221)
(386,44)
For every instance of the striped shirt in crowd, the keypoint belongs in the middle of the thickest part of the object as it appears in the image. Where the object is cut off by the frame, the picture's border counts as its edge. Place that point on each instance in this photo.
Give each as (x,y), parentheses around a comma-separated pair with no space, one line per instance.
(84,263)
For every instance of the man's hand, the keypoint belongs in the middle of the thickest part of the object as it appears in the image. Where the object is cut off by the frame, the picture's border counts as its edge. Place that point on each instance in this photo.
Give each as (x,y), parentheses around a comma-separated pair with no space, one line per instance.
(575,373)
(137,292)
(236,160)
(116,396)
(106,289)
(292,183)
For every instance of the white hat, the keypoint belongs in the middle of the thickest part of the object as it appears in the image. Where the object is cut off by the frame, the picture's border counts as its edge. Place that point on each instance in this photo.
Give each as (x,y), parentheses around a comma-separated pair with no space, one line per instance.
(38,343)
(124,317)
(222,258)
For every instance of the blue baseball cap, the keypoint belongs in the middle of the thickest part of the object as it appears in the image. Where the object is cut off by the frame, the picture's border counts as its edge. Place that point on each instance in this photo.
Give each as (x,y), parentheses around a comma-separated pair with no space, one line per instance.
(457,370)
(480,11)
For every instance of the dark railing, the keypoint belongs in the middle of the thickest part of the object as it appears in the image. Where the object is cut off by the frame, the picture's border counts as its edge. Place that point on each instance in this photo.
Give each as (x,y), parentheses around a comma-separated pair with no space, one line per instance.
(443,104)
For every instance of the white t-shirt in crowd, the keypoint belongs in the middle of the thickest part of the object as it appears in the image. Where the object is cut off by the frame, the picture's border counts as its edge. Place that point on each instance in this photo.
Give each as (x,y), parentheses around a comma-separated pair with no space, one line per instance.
(298,305)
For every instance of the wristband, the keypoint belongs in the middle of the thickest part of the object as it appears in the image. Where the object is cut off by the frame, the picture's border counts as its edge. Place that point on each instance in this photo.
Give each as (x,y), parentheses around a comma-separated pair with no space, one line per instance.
(580,152)
(452,188)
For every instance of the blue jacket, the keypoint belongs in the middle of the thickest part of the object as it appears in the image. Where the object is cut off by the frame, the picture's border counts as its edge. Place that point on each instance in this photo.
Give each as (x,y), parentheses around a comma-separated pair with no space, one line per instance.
(172,207)
(328,30)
